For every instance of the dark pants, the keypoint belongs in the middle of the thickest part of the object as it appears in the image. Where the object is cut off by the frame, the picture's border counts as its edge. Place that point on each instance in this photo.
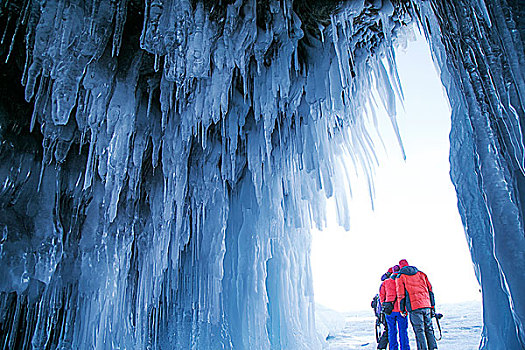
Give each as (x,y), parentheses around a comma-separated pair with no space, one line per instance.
(422,324)
(383,341)
(397,322)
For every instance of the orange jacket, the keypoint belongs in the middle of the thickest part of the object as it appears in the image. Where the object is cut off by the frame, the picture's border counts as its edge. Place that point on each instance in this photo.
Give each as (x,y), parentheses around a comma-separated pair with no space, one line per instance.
(391,296)
(414,291)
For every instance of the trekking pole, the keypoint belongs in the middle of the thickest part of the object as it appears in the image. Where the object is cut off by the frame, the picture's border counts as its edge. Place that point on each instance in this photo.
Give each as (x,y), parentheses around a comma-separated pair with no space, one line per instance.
(378,329)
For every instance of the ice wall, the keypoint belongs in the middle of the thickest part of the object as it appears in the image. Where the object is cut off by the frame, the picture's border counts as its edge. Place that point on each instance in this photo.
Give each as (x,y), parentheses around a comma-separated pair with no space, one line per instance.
(163,162)
(478,46)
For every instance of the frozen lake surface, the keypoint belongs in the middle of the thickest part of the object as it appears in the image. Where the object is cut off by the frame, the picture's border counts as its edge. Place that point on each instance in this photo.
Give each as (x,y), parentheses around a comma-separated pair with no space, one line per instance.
(461,327)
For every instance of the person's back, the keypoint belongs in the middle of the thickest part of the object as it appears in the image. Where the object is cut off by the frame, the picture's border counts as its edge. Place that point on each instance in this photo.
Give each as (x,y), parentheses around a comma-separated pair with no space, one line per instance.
(418,290)
(390,292)
(415,293)
(397,322)
(382,343)
(382,288)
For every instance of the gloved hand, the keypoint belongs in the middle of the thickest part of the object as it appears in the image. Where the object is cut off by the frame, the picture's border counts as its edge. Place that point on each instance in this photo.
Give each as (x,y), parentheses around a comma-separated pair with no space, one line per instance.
(388,307)
(432,312)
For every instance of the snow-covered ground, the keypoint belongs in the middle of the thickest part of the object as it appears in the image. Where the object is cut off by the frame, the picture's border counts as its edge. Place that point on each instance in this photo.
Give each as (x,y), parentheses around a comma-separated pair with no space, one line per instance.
(460,325)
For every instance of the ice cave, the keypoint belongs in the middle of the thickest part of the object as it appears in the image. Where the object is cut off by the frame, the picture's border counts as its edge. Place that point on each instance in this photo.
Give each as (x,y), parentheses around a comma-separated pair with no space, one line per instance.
(163,161)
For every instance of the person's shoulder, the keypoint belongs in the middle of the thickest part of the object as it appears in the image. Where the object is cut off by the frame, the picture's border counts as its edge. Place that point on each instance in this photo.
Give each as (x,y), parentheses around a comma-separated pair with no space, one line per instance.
(422,276)
(422,273)
(408,271)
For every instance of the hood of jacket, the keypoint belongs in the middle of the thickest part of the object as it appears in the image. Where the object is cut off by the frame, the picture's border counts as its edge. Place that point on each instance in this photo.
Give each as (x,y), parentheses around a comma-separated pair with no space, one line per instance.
(408,270)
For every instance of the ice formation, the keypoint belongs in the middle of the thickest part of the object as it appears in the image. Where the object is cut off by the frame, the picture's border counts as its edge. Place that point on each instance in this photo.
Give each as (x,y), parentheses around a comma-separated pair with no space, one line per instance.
(186,148)
(478,46)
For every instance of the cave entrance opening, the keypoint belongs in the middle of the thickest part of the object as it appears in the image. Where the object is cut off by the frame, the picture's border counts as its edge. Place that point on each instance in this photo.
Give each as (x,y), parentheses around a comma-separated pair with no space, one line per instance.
(415,215)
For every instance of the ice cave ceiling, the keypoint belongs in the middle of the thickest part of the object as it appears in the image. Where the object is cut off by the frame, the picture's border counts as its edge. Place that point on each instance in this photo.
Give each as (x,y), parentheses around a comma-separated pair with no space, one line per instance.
(163,161)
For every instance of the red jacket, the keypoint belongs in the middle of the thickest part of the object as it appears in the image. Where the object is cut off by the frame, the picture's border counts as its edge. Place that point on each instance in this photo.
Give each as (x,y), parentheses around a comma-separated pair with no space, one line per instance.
(391,295)
(382,291)
(413,286)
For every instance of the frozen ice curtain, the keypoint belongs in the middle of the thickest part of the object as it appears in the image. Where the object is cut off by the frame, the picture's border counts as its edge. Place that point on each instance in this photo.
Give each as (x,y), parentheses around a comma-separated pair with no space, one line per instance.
(162,162)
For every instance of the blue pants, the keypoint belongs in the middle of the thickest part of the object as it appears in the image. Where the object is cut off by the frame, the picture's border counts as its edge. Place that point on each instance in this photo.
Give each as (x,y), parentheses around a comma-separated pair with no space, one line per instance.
(397,322)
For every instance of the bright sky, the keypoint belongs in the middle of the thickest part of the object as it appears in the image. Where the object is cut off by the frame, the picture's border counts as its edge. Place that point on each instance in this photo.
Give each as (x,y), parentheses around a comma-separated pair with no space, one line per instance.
(415,216)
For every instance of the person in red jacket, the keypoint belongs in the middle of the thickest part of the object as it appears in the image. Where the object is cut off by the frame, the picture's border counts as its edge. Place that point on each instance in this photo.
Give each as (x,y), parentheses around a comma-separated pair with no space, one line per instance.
(394,319)
(414,292)
(382,343)
(382,288)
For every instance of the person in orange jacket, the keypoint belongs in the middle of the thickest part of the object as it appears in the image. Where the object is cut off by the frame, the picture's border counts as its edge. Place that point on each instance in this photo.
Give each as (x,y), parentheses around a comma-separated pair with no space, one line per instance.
(414,292)
(396,321)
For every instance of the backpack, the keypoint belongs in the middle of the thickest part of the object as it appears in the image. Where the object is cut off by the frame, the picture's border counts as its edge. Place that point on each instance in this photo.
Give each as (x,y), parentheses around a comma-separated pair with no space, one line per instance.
(376,305)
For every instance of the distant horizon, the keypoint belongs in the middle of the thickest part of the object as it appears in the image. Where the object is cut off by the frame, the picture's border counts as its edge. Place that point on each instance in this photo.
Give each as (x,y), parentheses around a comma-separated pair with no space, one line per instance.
(415,217)
(367,309)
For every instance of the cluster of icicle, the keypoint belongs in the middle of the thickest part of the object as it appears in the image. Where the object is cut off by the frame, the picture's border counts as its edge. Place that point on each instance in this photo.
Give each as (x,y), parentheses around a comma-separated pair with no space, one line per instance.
(205,145)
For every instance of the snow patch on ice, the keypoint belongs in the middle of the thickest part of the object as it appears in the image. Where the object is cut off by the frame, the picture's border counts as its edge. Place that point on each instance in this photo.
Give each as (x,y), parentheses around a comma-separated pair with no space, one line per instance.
(328,322)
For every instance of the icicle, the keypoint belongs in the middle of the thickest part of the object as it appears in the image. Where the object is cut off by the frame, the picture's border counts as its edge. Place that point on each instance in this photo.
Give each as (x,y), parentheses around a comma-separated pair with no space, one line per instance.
(394,76)
(338,52)
(145,24)
(33,120)
(320,27)
(94,12)
(166,100)
(25,12)
(156,66)
(33,73)
(35,111)
(6,28)
(120,19)
(19,20)
(153,83)
(40,177)
(26,68)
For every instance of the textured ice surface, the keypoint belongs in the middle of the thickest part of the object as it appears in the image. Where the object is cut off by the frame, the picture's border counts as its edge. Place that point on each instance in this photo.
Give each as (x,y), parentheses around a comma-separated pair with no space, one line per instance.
(479,49)
(186,148)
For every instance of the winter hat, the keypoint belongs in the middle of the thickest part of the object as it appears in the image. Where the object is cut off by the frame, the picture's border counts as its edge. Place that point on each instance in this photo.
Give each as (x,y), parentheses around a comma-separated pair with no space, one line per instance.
(396,268)
(403,263)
